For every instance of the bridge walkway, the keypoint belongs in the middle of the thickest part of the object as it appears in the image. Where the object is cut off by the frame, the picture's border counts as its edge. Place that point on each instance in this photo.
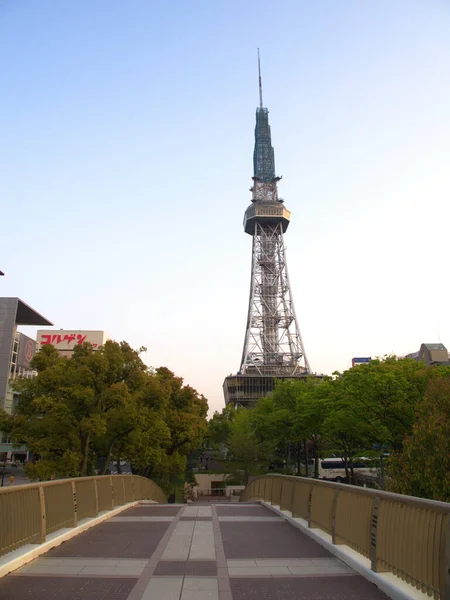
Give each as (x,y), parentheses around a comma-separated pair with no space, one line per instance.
(241,551)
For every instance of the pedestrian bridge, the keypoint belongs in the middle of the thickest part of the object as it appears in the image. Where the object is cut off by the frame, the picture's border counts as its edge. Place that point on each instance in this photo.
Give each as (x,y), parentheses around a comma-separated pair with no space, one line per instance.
(116,538)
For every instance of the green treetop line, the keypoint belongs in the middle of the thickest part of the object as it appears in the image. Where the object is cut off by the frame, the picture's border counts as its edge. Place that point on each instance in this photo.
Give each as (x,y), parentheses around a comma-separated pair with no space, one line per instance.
(107,404)
(394,408)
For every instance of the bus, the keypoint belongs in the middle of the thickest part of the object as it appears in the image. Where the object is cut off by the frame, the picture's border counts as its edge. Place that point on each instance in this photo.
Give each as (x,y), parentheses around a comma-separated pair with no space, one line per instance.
(333,469)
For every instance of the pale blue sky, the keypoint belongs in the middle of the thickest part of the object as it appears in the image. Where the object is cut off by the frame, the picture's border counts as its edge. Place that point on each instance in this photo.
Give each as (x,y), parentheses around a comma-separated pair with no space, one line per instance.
(126,139)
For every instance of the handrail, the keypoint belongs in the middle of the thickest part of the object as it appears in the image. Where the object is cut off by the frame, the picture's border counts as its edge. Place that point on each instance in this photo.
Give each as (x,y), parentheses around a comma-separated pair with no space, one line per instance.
(28,513)
(403,535)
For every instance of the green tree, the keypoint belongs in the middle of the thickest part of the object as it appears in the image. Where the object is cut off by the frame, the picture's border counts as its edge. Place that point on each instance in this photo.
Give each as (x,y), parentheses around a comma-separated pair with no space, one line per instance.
(103,404)
(185,413)
(422,468)
(67,406)
(219,426)
(384,394)
(246,454)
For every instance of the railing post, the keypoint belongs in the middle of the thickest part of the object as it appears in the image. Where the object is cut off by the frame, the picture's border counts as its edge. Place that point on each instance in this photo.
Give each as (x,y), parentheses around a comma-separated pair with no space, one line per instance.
(310,503)
(95,496)
(446,562)
(333,514)
(75,507)
(374,533)
(112,492)
(43,514)
(292,498)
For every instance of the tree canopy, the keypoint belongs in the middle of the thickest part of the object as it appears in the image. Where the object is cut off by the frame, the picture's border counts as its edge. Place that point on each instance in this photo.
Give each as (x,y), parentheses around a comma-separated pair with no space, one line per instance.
(394,411)
(105,404)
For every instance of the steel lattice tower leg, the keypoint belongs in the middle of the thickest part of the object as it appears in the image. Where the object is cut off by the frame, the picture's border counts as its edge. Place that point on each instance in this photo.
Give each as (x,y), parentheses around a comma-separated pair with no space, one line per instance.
(273,344)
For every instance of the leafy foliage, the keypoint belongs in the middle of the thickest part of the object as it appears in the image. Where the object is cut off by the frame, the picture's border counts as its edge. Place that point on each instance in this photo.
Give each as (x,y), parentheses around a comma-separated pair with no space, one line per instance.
(105,404)
(423,466)
(390,406)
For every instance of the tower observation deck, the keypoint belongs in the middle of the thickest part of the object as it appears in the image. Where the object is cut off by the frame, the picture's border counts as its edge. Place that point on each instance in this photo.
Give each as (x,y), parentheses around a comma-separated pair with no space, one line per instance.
(273,347)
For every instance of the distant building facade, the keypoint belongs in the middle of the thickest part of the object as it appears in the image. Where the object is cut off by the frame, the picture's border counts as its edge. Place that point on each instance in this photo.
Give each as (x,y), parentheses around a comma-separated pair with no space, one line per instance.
(16,352)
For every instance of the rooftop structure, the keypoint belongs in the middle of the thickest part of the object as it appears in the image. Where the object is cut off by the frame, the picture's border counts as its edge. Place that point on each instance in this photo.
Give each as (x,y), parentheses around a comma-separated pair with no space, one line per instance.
(431,354)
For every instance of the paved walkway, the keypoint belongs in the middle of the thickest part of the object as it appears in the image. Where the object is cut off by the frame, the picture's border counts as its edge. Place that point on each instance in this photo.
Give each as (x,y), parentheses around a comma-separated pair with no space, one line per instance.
(189,552)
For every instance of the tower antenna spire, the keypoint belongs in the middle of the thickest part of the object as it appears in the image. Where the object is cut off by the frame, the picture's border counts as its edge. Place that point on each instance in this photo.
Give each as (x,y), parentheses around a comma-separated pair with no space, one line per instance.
(260,82)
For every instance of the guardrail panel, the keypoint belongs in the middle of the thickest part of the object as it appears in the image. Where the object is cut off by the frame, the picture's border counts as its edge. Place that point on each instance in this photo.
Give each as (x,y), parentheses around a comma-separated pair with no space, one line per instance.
(411,544)
(268,489)
(59,505)
(287,494)
(300,504)
(20,510)
(29,512)
(321,507)
(105,493)
(117,485)
(86,497)
(128,486)
(409,537)
(277,484)
(353,520)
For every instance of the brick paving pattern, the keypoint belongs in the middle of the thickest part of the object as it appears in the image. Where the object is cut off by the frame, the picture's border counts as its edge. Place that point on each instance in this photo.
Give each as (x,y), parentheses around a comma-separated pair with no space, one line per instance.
(308,588)
(204,568)
(64,588)
(190,552)
(195,518)
(151,511)
(243,510)
(268,540)
(111,540)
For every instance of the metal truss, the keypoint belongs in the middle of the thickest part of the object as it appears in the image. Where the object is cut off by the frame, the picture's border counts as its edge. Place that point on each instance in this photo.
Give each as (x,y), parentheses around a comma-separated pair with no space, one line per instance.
(273,344)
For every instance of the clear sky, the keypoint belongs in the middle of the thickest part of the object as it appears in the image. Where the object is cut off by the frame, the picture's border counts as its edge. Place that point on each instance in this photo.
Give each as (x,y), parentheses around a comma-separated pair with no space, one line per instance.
(126,140)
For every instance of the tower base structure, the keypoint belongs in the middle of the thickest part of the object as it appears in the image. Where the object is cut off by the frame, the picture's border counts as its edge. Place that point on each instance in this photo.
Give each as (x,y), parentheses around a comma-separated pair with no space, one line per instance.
(245,390)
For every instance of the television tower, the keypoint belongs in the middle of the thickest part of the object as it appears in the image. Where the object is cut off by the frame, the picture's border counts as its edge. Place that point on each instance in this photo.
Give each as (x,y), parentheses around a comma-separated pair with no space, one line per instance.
(273,347)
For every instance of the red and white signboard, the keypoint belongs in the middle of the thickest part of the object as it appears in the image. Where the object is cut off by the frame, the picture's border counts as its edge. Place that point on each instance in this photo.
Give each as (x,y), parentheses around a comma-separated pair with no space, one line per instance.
(67,339)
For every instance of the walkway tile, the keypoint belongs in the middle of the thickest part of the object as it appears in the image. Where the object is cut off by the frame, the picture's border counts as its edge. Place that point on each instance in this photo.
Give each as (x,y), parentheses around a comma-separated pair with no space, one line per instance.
(251,519)
(305,588)
(114,540)
(129,519)
(200,589)
(117,571)
(179,543)
(156,510)
(257,571)
(66,588)
(204,511)
(187,567)
(243,510)
(50,569)
(196,519)
(202,545)
(268,540)
(163,588)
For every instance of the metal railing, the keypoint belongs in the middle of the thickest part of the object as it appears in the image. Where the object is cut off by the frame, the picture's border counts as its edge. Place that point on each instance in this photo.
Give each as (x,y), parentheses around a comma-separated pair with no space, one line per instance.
(403,535)
(28,513)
